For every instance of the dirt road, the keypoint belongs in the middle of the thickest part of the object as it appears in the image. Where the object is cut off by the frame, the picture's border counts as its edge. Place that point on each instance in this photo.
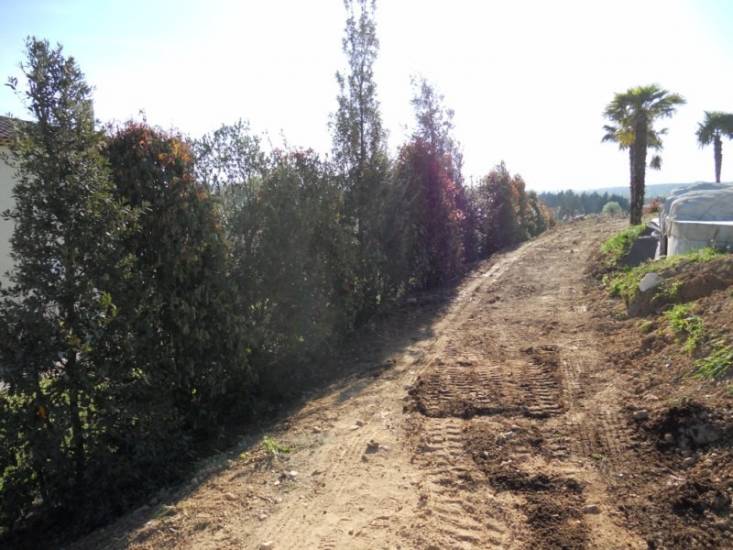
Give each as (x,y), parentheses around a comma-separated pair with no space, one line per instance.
(498,426)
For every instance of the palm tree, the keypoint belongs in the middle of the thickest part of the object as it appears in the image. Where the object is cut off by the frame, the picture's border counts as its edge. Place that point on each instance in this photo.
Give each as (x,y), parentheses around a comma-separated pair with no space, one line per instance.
(712,130)
(632,114)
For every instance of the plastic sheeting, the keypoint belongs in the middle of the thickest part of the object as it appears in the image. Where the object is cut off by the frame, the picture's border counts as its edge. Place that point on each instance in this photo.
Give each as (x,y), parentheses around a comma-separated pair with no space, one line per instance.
(697,216)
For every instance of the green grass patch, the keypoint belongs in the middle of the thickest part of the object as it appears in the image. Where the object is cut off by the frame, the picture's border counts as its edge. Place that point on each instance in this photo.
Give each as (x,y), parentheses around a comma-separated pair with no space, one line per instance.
(615,248)
(625,284)
(717,363)
(688,325)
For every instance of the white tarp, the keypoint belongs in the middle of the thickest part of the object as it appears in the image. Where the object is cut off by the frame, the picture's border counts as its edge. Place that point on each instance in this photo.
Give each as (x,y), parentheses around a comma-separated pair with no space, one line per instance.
(698,216)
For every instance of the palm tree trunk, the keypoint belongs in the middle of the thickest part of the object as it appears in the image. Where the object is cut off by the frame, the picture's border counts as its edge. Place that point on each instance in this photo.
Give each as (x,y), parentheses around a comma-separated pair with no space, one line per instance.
(638,171)
(718,148)
(632,188)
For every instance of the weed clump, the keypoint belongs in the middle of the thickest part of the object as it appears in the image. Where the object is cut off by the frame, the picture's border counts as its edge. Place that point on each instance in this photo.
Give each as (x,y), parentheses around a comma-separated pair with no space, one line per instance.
(717,363)
(684,323)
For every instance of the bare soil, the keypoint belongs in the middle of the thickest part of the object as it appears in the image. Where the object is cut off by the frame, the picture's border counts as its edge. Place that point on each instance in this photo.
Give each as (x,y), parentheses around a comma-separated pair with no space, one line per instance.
(530,412)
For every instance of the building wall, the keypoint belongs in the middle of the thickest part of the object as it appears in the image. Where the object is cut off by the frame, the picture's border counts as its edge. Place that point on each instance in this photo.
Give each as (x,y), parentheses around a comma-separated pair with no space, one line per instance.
(6,227)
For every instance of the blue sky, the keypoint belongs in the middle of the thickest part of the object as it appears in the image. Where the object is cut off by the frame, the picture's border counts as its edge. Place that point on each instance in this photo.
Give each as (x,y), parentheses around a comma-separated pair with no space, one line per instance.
(528,79)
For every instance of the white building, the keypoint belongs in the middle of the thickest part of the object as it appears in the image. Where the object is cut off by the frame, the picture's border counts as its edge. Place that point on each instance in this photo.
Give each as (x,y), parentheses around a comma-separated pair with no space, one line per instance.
(7,181)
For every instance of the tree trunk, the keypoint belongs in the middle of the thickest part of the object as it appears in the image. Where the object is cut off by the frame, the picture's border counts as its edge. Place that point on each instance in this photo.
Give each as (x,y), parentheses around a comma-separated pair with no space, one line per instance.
(77,437)
(632,189)
(638,171)
(718,148)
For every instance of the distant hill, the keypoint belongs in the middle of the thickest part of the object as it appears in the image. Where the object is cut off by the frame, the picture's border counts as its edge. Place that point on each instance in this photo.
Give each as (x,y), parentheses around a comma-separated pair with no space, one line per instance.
(654,190)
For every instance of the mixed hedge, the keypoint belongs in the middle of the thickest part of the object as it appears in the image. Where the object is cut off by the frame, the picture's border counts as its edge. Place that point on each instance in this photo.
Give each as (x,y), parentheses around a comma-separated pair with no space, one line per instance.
(163,286)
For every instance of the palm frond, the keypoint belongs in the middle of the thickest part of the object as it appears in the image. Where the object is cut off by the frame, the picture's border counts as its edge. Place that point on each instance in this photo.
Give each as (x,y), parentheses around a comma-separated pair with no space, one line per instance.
(715,123)
(640,105)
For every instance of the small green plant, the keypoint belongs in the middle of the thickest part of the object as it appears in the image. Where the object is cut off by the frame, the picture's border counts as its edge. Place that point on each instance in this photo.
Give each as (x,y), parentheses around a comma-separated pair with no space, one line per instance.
(670,291)
(685,323)
(273,448)
(717,363)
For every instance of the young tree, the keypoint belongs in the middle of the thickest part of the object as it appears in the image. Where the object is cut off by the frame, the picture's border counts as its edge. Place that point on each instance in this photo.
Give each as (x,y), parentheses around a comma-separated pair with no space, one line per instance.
(632,114)
(434,128)
(434,220)
(359,140)
(360,158)
(57,352)
(505,210)
(713,129)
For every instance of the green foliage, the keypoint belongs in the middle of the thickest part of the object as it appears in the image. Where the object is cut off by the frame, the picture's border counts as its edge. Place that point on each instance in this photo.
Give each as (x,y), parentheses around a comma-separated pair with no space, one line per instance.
(359,140)
(625,284)
(362,166)
(612,208)
(616,247)
(119,341)
(181,277)
(273,448)
(61,350)
(715,125)
(231,154)
(670,290)
(291,267)
(717,363)
(684,323)
(506,213)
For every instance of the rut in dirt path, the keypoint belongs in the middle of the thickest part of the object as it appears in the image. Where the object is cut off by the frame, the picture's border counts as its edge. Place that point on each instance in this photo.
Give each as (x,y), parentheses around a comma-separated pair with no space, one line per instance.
(540,429)
(496,428)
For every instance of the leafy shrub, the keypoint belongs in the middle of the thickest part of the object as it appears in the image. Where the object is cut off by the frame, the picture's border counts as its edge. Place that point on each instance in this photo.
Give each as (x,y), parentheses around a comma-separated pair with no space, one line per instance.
(291,265)
(180,277)
(612,208)
(506,213)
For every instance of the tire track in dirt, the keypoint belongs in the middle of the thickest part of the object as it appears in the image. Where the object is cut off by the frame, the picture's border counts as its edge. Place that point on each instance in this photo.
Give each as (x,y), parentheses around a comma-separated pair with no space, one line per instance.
(459,384)
(539,399)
